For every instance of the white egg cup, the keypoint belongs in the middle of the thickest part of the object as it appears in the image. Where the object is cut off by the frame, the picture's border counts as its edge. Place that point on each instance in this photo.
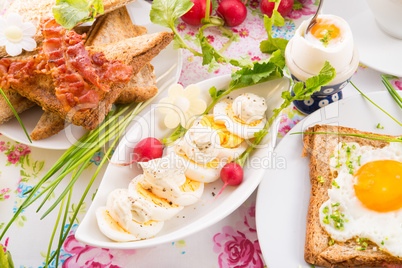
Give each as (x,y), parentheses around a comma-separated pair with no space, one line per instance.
(332,91)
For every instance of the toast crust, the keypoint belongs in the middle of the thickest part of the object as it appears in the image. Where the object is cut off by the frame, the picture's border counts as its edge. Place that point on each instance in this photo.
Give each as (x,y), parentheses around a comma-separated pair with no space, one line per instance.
(317,251)
(35,10)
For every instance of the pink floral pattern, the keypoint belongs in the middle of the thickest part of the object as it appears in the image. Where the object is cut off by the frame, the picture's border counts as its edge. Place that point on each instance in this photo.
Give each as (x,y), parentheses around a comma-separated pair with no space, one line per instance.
(84,256)
(15,153)
(307,9)
(239,248)
(397,84)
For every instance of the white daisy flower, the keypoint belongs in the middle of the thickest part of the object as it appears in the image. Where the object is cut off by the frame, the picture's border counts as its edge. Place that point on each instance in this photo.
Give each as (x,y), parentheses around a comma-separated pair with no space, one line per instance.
(16,35)
(182,106)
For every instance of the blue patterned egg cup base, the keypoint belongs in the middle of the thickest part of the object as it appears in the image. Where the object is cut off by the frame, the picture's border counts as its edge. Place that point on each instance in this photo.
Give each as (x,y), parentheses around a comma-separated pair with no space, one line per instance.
(326,90)
(316,102)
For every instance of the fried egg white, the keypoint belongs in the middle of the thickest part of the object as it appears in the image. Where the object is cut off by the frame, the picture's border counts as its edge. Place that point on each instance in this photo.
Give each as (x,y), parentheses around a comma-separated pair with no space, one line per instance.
(243,116)
(365,201)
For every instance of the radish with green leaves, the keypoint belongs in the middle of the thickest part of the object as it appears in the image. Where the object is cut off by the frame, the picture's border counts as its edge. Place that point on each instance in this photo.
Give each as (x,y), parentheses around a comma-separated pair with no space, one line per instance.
(234,12)
(284,8)
(196,13)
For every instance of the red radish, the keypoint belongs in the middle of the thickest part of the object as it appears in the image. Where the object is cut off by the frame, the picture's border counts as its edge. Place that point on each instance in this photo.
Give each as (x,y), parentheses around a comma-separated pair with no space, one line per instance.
(285,7)
(231,174)
(197,12)
(148,149)
(234,12)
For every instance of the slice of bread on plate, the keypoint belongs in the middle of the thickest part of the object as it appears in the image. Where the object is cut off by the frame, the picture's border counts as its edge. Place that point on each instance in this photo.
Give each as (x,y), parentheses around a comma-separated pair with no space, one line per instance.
(320,248)
(35,10)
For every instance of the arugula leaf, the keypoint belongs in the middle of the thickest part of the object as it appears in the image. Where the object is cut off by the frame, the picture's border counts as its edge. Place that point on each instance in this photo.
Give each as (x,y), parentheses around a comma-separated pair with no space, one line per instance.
(68,13)
(5,259)
(277,18)
(208,52)
(166,12)
(314,83)
(214,93)
(272,44)
(211,55)
(262,72)
(301,90)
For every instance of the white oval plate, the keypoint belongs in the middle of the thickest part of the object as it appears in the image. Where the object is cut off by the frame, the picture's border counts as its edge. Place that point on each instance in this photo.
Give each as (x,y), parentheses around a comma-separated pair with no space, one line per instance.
(377,50)
(283,196)
(192,218)
(139,13)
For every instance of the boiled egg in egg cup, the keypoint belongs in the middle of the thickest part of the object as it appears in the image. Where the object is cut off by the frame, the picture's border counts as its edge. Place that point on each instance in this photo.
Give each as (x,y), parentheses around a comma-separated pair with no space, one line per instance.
(365,200)
(330,39)
(206,148)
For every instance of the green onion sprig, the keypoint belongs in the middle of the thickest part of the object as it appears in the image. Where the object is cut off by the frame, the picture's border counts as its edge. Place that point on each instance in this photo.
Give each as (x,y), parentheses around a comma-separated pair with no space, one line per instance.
(16,114)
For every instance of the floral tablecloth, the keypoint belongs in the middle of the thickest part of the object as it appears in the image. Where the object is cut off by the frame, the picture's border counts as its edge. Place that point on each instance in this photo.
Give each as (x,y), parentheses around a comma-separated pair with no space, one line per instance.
(232,242)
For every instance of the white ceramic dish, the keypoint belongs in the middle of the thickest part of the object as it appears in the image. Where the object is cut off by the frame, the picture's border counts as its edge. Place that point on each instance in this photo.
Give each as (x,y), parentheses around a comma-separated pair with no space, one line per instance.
(283,195)
(377,49)
(192,218)
(139,12)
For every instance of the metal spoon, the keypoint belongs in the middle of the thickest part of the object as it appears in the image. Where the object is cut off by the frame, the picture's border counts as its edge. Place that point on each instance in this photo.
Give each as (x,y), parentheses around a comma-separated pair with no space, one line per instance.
(313,21)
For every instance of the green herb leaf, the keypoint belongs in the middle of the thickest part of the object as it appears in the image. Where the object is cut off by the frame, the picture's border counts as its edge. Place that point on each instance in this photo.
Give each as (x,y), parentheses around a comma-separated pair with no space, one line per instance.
(297,5)
(208,52)
(166,12)
(178,133)
(314,83)
(277,18)
(68,13)
(272,44)
(5,259)
(261,72)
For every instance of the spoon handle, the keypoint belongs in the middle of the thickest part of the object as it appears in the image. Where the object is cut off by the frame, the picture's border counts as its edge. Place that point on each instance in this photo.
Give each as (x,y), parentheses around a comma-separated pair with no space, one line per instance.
(313,20)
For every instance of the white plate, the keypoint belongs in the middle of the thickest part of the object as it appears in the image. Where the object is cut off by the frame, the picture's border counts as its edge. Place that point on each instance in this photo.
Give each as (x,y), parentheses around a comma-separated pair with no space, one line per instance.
(139,13)
(283,195)
(192,218)
(377,50)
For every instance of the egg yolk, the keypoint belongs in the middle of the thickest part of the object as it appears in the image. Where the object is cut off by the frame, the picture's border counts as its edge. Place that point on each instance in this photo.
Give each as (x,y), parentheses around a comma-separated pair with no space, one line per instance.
(324,29)
(378,185)
(227,139)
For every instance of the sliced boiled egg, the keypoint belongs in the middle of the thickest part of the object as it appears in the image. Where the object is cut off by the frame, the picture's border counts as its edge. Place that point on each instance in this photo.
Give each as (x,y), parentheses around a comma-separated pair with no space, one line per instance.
(158,208)
(165,178)
(120,223)
(190,192)
(110,228)
(206,148)
(243,116)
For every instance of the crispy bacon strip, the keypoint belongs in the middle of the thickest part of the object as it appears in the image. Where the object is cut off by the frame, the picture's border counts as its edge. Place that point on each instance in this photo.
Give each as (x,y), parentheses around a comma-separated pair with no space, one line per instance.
(78,76)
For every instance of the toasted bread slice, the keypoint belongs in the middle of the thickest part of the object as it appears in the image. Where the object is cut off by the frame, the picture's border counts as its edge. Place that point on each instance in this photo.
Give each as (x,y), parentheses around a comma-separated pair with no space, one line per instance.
(34,10)
(109,28)
(319,148)
(18,102)
(134,51)
(49,124)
